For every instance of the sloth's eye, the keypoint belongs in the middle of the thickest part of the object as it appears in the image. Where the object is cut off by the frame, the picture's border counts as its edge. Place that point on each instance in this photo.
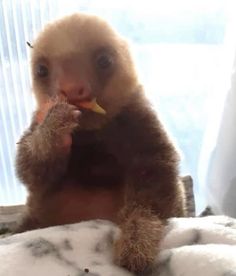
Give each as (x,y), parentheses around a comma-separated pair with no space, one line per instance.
(104,61)
(42,70)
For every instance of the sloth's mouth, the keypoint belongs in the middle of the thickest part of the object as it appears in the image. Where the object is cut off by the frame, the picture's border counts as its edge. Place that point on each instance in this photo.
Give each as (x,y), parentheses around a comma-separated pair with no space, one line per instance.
(87,104)
(91,105)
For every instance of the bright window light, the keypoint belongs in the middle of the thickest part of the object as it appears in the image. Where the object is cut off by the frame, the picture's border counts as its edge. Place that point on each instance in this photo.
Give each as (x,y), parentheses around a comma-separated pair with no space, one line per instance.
(179,49)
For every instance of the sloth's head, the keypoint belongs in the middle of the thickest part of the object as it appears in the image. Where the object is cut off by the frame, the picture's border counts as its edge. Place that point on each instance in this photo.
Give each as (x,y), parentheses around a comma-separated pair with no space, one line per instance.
(82,58)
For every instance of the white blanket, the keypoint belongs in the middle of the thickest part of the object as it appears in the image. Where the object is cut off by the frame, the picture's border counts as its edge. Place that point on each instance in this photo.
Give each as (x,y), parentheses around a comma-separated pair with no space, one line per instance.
(191,246)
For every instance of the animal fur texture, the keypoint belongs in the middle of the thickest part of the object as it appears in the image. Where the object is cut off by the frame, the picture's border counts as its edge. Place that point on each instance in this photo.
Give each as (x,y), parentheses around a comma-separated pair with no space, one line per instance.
(79,165)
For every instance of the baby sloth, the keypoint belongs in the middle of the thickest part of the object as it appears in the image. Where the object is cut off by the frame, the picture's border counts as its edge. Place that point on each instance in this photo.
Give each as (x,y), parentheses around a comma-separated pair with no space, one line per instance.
(95,149)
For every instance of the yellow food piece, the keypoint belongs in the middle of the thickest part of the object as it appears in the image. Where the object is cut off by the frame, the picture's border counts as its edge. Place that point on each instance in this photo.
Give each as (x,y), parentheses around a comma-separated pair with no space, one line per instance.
(92,105)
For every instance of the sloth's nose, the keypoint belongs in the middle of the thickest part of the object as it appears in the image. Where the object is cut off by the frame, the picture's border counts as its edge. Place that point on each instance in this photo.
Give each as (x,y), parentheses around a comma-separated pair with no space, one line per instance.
(76,91)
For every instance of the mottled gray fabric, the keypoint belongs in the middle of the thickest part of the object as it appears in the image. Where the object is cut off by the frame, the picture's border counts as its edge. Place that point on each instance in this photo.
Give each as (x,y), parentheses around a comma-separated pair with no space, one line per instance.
(190,246)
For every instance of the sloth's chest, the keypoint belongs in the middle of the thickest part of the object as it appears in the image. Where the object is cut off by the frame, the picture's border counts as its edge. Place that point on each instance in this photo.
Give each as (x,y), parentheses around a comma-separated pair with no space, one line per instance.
(93,187)
(74,204)
(92,165)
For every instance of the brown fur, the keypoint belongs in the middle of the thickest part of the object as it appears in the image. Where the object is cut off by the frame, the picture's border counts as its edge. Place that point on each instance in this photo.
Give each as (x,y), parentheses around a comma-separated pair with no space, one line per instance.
(120,166)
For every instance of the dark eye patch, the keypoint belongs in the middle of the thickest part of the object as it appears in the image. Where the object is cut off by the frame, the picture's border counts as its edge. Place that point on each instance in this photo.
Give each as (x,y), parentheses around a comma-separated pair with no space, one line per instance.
(104,60)
(42,70)
(104,64)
